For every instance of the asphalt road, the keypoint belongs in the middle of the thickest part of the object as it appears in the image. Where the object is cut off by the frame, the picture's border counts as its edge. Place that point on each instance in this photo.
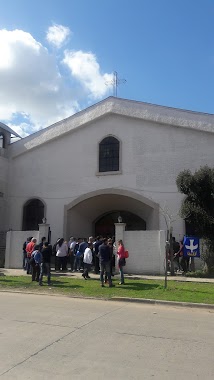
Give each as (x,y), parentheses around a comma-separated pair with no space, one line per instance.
(48,337)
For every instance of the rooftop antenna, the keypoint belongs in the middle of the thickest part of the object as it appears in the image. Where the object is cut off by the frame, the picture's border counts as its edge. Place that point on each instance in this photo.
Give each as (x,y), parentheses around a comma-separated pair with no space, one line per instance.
(115,82)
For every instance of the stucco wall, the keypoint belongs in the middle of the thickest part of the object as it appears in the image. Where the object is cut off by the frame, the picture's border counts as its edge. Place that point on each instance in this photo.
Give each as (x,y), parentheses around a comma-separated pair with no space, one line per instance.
(152,155)
(146,252)
(14,244)
(146,249)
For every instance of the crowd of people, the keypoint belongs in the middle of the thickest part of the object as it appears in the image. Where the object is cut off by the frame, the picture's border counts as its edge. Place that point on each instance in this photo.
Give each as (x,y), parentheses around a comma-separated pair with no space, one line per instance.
(181,262)
(76,255)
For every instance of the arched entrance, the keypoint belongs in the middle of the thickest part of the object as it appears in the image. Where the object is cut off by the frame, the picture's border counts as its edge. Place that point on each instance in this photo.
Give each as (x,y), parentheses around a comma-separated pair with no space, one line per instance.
(105,224)
(33,212)
(82,214)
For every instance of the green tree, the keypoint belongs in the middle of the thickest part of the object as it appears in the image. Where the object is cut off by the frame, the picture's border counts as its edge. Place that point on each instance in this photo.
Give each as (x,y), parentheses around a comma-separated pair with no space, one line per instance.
(198,206)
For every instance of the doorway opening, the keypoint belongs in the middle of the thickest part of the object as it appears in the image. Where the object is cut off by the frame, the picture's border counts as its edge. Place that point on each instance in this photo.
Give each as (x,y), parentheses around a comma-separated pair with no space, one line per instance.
(33,212)
(105,224)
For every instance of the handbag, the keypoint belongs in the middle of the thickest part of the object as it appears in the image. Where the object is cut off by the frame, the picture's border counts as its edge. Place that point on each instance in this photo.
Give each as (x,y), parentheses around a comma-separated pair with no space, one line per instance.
(126,254)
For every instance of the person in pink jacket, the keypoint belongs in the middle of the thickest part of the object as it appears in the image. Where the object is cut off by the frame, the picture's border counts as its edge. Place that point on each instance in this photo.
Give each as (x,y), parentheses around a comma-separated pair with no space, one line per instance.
(121,260)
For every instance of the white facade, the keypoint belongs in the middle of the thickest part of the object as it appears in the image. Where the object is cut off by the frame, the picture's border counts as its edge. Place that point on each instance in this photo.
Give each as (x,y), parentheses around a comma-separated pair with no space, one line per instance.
(60,166)
(147,252)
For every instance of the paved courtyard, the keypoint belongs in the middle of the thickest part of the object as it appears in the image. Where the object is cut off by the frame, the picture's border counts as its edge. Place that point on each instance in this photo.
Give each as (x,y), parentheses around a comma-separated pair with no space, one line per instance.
(56,337)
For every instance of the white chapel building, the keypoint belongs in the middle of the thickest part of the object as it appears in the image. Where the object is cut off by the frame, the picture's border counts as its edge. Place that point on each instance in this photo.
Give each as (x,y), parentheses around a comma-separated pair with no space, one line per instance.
(116,158)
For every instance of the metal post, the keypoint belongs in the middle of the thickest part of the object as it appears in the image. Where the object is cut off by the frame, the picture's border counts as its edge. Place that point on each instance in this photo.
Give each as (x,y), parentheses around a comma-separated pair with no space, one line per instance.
(166,264)
(172,269)
(166,258)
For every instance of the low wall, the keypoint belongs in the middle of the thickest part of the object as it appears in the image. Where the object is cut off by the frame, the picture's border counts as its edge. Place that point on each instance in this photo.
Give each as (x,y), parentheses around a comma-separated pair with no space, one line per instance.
(2,247)
(146,252)
(14,244)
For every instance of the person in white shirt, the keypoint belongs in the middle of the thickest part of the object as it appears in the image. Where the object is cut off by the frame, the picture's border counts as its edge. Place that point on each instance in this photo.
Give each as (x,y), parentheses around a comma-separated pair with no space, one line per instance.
(61,254)
(87,259)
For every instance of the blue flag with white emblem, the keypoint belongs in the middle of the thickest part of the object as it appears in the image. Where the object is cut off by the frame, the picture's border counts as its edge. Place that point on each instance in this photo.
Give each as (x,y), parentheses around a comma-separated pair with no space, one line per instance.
(191,246)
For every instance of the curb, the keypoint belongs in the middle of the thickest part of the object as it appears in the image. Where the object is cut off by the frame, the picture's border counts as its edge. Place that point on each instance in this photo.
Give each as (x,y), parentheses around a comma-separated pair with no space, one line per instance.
(165,303)
(120,299)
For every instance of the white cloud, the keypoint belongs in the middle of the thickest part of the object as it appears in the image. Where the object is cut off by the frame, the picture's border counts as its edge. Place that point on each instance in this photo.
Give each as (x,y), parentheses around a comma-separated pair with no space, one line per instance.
(36,90)
(57,35)
(31,83)
(85,68)
(22,129)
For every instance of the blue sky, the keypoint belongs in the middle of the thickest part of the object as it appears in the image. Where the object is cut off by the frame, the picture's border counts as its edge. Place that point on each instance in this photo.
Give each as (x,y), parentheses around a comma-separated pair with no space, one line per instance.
(56,56)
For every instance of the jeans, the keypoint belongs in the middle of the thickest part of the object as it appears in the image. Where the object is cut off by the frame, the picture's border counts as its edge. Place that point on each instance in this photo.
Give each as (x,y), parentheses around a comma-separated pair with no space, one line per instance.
(96,264)
(121,275)
(35,272)
(177,262)
(105,266)
(77,262)
(24,261)
(71,259)
(47,267)
(185,263)
(28,266)
(111,271)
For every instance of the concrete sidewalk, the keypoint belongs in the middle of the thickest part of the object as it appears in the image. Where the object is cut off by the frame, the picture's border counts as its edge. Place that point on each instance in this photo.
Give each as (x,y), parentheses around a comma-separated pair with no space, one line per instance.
(179,277)
(49,337)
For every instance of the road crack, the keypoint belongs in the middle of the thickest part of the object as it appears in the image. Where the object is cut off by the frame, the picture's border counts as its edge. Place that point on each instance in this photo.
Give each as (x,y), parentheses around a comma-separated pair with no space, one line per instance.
(59,339)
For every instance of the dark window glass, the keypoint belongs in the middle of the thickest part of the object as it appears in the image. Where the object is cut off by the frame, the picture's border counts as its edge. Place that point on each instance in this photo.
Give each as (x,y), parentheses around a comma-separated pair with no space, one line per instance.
(105,225)
(33,213)
(109,155)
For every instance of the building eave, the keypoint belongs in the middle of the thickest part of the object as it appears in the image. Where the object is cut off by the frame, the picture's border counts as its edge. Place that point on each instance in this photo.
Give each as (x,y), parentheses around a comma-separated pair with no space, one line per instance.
(8,129)
(129,108)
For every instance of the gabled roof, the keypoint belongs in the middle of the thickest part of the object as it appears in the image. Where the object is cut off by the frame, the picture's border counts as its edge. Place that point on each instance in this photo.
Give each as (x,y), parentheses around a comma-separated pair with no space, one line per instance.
(123,107)
(8,129)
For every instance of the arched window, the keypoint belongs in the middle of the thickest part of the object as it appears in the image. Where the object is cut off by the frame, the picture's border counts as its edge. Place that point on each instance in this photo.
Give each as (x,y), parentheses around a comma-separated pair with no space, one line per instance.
(109,154)
(33,213)
(2,140)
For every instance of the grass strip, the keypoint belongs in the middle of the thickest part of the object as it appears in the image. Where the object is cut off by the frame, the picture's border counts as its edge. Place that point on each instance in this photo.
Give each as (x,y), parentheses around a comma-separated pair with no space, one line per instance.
(134,288)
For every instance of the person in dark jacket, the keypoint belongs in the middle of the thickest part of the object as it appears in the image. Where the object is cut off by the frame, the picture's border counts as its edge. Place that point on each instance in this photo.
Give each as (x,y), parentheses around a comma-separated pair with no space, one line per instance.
(82,247)
(111,259)
(98,242)
(43,240)
(46,263)
(104,257)
(24,261)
